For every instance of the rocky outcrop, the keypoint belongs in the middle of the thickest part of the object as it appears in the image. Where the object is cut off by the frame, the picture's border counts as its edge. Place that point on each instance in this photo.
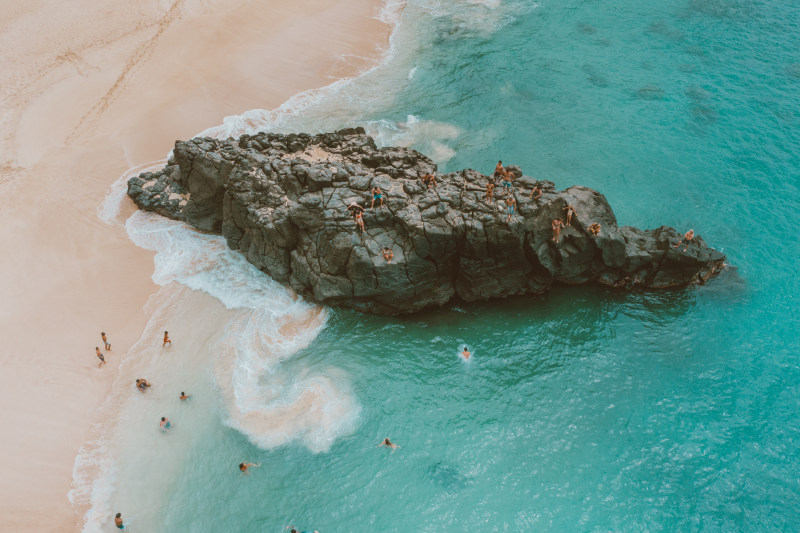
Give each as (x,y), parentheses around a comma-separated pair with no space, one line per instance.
(282,200)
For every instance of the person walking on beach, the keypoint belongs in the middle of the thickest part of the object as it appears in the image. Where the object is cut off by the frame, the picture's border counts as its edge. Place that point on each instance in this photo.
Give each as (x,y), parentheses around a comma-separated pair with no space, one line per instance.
(687,238)
(557,225)
(184,396)
(165,424)
(166,339)
(489,192)
(536,193)
(105,340)
(377,194)
(570,211)
(99,356)
(244,466)
(511,203)
(386,442)
(118,521)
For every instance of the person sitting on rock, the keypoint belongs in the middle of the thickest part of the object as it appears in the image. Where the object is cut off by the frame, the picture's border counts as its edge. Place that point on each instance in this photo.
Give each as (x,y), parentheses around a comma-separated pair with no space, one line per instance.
(429,180)
(594,228)
(507,177)
(388,254)
(557,225)
(570,211)
(360,221)
(536,193)
(499,171)
(377,194)
(354,208)
(511,203)
(687,238)
(489,192)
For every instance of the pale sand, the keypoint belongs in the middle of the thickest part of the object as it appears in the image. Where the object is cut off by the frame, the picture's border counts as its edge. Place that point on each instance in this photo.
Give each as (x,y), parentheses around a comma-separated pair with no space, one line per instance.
(89,89)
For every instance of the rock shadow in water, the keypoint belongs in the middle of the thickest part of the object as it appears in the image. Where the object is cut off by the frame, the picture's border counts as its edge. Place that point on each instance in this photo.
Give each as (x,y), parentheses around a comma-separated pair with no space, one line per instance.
(447,477)
(650,92)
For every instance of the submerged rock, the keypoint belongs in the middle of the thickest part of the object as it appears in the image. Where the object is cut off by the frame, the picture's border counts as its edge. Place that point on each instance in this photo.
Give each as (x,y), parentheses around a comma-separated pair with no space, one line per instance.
(282,201)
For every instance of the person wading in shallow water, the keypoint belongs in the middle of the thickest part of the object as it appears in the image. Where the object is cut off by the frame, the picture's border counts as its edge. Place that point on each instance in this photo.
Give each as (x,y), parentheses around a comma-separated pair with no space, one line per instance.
(557,225)
(386,442)
(118,521)
(184,396)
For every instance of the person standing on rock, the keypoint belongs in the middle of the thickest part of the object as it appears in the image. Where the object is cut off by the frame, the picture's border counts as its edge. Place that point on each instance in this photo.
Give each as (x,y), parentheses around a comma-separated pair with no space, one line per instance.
(536,193)
(687,238)
(511,203)
(377,194)
(499,171)
(489,192)
(557,225)
(360,221)
(105,340)
(570,211)
(507,177)
(100,356)
(594,228)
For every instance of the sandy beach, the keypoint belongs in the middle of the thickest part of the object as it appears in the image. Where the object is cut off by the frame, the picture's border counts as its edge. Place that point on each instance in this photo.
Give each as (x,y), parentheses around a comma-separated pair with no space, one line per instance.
(88,92)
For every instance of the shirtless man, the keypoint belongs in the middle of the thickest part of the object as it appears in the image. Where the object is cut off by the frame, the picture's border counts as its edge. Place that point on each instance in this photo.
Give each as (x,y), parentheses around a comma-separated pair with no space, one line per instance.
(388,254)
(429,180)
(489,192)
(499,171)
(105,340)
(507,177)
(165,424)
(99,356)
(594,228)
(687,238)
(244,466)
(184,396)
(465,353)
(511,203)
(377,194)
(557,225)
(386,442)
(166,340)
(536,193)
(570,211)
(118,521)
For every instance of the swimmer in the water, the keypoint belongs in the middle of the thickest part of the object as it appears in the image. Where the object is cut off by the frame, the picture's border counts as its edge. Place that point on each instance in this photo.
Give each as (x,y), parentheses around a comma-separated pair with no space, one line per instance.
(293,530)
(244,466)
(466,353)
(388,443)
(184,396)
(118,521)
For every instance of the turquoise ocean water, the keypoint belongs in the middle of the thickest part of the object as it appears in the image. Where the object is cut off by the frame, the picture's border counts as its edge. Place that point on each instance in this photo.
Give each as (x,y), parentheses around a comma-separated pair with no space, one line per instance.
(583,409)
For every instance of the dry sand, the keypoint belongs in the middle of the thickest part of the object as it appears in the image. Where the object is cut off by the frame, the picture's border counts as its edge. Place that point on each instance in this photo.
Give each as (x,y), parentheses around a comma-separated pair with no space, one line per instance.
(88,90)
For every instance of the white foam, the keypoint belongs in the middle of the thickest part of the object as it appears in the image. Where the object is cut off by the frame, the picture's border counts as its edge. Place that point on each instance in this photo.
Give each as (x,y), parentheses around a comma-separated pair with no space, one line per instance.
(429,136)
(108,211)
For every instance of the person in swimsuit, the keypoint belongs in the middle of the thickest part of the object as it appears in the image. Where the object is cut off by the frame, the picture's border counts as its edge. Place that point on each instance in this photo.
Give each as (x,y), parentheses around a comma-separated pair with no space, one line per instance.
(570,211)
(388,254)
(354,208)
(489,192)
(536,193)
(244,466)
(466,353)
(386,442)
(511,203)
(507,177)
(165,424)
(105,340)
(184,396)
(429,180)
(99,356)
(360,221)
(687,238)
(594,228)
(376,195)
(166,339)
(118,521)
(499,171)
(557,225)
(142,384)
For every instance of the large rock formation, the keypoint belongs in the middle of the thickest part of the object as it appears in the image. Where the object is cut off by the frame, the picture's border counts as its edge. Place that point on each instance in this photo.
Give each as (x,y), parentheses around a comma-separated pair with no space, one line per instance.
(282,201)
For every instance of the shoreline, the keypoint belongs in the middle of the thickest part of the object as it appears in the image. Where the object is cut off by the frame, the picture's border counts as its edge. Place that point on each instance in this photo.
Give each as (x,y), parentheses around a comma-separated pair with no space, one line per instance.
(133,85)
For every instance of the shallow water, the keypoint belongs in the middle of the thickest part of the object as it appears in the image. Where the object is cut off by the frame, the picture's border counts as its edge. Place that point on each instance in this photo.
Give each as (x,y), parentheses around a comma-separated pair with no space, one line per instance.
(583,409)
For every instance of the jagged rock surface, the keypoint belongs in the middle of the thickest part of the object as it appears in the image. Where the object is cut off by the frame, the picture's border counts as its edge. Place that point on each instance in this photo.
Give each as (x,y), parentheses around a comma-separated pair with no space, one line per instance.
(282,201)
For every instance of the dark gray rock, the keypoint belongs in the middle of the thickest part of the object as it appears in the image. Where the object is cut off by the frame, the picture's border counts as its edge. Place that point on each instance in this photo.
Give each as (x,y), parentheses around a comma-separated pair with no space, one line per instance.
(282,201)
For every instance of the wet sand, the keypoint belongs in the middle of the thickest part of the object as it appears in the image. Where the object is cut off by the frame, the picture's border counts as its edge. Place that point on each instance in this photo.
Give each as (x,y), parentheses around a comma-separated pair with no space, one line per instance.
(90,90)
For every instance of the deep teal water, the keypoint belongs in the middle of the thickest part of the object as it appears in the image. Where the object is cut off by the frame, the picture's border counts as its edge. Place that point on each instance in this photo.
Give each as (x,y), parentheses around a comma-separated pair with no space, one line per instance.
(584,409)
